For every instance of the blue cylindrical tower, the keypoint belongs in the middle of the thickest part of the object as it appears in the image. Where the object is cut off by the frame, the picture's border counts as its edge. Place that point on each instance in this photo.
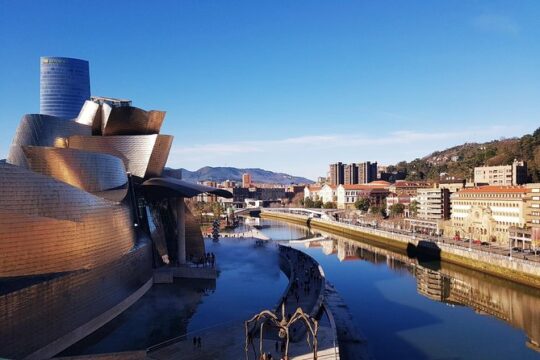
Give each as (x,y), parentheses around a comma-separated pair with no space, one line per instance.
(64,86)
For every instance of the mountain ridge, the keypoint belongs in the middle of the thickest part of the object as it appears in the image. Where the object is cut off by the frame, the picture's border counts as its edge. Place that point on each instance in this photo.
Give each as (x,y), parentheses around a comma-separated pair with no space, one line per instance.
(222,173)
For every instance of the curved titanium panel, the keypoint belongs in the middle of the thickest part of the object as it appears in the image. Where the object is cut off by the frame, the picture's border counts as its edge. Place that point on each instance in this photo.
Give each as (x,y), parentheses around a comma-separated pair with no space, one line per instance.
(168,187)
(42,130)
(101,174)
(88,113)
(58,306)
(139,152)
(47,226)
(159,156)
(129,120)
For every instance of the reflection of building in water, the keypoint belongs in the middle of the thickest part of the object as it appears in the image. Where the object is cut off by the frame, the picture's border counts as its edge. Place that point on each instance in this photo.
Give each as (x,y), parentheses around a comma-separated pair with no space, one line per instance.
(516,304)
(329,247)
(432,284)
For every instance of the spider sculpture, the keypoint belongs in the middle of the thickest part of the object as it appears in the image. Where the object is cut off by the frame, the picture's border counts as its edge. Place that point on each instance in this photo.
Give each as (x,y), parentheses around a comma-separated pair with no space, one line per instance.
(283,325)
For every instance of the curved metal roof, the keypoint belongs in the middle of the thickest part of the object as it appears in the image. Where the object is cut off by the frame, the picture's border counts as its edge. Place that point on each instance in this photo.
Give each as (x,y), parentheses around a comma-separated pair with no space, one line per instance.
(163,187)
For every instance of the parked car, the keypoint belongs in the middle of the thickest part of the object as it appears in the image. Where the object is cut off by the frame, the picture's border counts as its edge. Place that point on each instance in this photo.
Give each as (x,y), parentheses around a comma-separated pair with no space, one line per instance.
(484,243)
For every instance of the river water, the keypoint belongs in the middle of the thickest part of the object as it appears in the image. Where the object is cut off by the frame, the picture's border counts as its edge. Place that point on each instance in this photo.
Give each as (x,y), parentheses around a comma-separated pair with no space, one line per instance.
(409,309)
(406,308)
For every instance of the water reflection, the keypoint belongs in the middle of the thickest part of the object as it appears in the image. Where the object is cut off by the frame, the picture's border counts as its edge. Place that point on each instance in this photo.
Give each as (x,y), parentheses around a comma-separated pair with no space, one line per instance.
(453,285)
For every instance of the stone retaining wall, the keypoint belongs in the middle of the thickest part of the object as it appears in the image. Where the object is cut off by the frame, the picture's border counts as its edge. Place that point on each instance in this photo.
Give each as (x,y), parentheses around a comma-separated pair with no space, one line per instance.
(517,270)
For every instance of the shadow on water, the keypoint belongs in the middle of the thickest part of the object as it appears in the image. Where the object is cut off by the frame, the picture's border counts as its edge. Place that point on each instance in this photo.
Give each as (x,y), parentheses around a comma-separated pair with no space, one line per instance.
(249,280)
(163,312)
(427,254)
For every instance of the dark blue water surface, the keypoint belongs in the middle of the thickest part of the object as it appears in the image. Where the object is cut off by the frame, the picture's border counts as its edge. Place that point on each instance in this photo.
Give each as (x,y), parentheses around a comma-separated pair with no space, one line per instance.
(413,310)
(249,281)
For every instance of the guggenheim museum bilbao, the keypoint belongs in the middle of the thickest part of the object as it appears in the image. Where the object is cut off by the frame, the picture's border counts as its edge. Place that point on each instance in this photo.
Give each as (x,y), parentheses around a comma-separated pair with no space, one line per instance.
(85,214)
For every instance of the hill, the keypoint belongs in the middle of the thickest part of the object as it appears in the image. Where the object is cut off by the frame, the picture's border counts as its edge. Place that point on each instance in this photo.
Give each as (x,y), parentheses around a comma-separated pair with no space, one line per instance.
(235,174)
(459,161)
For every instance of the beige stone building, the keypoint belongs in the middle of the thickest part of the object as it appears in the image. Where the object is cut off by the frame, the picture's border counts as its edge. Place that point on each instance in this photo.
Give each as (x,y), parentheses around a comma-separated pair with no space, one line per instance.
(487,213)
(528,237)
(504,175)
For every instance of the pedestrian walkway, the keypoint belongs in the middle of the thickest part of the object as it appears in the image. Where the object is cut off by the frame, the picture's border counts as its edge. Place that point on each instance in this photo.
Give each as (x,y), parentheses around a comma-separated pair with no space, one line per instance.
(305,290)
(226,343)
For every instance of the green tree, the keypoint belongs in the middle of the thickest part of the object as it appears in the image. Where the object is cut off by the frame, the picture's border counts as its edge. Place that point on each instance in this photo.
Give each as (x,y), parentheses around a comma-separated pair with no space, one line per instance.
(362,204)
(318,204)
(413,207)
(397,209)
(308,203)
(329,205)
(375,210)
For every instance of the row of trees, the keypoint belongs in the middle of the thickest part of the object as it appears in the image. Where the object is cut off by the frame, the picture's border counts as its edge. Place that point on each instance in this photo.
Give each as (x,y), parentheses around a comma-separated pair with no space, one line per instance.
(364,204)
(318,204)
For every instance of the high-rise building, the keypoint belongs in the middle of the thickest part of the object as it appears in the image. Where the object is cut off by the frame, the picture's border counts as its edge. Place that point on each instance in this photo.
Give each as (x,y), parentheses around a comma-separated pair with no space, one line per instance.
(351,174)
(367,172)
(64,86)
(246,180)
(337,173)
(515,174)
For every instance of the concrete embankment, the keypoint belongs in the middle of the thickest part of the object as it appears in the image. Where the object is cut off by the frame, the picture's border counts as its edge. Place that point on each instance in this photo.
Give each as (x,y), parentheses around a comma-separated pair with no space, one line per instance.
(517,270)
(349,342)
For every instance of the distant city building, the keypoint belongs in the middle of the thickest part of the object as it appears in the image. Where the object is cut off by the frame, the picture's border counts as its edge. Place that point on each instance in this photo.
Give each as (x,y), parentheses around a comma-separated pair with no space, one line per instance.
(452,184)
(312,192)
(64,86)
(228,184)
(515,174)
(246,180)
(433,203)
(241,194)
(322,180)
(486,213)
(337,173)
(328,193)
(403,187)
(367,172)
(392,176)
(351,174)
(347,195)
(404,199)
(360,173)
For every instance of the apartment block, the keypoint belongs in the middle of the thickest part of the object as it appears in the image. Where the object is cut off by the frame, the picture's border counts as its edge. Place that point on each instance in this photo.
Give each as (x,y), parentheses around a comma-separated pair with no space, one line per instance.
(504,175)
(433,203)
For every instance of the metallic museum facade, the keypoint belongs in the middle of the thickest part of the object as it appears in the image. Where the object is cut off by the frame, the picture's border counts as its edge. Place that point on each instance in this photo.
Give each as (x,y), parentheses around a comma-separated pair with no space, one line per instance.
(85,217)
(64,86)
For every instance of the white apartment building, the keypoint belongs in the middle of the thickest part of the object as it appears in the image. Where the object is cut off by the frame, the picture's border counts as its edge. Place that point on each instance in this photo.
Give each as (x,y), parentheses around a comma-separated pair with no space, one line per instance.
(433,203)
(312,192)
(328,193)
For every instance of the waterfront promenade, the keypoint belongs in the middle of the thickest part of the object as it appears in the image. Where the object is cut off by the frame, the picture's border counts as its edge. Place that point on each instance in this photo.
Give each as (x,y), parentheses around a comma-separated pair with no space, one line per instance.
(490,259)
(306,290)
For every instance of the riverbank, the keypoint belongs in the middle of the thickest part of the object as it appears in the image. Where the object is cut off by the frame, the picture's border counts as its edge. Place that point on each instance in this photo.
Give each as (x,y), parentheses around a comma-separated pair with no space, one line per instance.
(227,342)
(517,270)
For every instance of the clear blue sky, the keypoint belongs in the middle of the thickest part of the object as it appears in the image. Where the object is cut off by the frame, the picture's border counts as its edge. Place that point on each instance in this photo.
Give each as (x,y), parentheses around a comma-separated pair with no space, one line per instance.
(290,85)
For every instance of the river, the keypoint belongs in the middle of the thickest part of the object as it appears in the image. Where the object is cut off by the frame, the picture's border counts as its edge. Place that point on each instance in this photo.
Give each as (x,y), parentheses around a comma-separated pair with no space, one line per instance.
(410,309)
